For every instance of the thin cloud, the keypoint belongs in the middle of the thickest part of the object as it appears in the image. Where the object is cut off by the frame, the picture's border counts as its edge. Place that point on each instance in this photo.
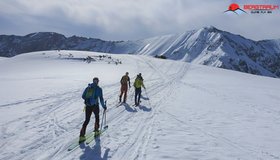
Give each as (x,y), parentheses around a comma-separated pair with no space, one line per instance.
(129,19)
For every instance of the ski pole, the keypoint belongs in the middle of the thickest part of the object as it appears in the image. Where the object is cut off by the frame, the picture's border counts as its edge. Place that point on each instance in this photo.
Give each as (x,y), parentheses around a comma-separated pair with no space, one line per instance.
(148,98)
(103,116)
(132,95)
(146,94)
(105,123)
(102,119)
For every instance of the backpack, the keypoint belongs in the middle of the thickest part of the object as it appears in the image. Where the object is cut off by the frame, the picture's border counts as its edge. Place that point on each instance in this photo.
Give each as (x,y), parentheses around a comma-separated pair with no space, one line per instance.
(124,80)
(138,82)
(89,94)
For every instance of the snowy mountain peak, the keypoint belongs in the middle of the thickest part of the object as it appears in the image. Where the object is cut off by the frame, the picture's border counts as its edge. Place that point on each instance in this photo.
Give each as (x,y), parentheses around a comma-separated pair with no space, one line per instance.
(208,46)
(211,29)
(213,47)
(44,35)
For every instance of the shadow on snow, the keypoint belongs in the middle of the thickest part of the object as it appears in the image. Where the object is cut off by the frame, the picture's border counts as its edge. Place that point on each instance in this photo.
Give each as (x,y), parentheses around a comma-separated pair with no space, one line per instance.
(144,108)
(94,153)
(128,108)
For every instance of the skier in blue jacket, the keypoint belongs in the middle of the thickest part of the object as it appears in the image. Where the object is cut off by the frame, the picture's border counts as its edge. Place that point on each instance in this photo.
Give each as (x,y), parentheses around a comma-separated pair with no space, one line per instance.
(91,95)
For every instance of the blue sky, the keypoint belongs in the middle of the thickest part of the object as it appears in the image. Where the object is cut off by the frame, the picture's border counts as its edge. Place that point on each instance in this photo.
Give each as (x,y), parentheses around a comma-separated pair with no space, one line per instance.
(133,19)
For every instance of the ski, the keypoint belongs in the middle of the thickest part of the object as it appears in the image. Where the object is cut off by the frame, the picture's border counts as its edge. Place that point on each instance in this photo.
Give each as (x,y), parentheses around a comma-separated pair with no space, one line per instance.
(75,144)
(134,105)
(94,135)
(90,136)
(119,104)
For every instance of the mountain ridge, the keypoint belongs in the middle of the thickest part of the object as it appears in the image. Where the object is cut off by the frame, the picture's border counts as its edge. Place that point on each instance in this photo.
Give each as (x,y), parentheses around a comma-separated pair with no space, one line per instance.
(207,46)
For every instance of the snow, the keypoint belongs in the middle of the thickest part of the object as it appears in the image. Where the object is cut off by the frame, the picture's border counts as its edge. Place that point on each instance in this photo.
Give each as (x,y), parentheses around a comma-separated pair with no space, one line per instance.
(187,112)
(2,58)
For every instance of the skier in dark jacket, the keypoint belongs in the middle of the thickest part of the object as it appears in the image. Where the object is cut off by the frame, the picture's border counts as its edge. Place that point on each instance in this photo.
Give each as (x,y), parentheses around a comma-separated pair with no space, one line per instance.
(91,95)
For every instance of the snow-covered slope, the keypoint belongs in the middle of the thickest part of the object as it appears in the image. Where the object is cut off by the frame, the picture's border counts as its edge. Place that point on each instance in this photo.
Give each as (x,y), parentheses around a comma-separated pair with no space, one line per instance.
(187,112)
(2,58)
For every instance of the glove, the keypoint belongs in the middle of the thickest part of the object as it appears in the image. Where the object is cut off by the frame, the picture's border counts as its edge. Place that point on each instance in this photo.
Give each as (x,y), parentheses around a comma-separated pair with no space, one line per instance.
(105,108)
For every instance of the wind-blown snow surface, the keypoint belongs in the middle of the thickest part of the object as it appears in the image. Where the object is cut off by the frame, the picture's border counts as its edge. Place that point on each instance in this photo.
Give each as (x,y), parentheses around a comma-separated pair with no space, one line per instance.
(2,58)
(188,111)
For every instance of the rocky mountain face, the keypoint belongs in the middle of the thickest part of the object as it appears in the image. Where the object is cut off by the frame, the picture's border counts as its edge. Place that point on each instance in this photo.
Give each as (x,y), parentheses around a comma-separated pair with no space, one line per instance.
(14,45)
(208,46)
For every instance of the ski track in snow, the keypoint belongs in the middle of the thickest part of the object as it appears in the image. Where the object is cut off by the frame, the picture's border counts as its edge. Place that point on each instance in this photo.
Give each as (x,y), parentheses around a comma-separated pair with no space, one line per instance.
(130,143)
(186,125)
(134,132)
(44,124)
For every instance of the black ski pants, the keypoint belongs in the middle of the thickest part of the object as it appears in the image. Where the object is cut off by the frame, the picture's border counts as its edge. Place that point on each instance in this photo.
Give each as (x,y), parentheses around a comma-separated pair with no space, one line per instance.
(89,110)
(137,95)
